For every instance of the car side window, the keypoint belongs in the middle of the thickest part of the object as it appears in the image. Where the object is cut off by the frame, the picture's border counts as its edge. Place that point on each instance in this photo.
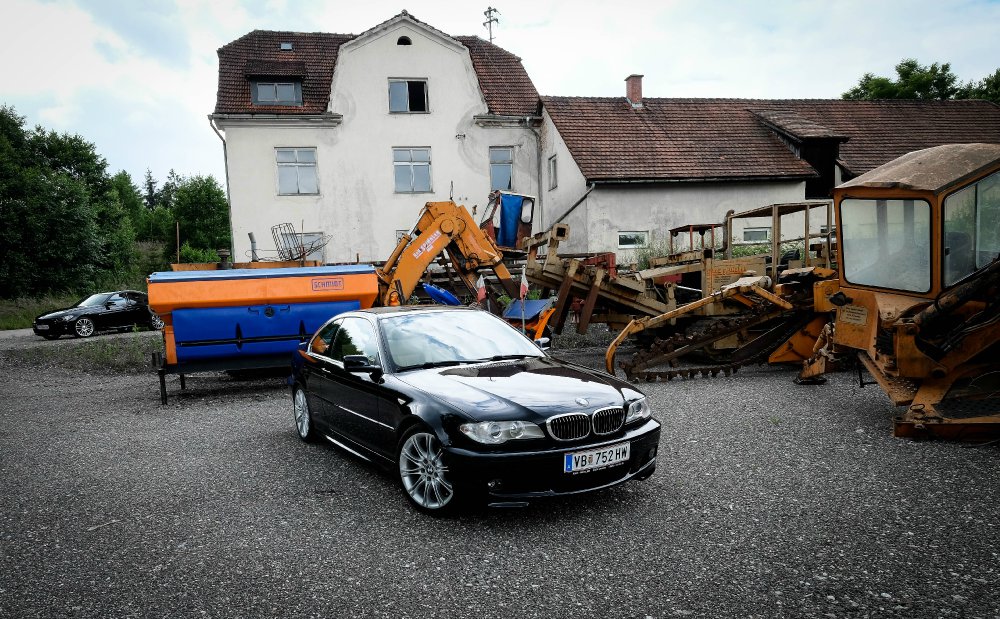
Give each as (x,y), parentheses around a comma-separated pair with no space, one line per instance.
(356,337)
(117,299)
(320,343)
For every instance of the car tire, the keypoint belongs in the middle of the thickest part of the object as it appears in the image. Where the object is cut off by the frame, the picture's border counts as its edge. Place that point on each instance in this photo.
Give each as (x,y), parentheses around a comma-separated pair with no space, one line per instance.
(83,327)
(423,473)
(155,322)
(302,415)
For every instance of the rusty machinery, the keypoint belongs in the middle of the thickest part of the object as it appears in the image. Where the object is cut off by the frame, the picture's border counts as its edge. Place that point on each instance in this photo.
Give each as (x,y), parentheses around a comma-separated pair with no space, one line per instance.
(916,298)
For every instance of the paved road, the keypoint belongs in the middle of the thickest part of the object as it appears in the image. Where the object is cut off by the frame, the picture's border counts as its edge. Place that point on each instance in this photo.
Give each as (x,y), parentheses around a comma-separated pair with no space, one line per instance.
(770,500)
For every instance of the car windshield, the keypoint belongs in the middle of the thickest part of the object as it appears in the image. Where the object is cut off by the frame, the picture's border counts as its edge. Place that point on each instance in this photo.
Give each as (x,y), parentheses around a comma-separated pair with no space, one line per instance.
(430,339)
(93,300)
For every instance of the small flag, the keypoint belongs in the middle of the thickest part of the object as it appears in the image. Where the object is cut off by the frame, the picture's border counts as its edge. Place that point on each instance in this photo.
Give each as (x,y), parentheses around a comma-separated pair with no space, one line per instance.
(524,285)
(481,289)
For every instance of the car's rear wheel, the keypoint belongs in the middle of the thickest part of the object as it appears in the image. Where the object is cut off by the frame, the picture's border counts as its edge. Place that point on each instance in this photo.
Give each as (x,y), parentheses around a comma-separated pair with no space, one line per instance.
(303,416)
(155,321)
(83,327)
(424,472)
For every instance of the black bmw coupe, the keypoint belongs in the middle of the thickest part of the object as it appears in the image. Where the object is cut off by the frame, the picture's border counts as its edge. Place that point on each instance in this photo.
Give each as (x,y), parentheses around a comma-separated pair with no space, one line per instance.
(104,311)
(462,408)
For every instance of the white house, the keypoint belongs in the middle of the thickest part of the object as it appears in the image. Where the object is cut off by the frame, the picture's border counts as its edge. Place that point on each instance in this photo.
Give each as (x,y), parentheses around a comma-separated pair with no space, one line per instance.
(346,137)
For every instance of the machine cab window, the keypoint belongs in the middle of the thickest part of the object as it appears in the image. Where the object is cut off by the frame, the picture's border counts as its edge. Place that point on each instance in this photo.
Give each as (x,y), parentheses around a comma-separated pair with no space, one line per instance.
(971,228)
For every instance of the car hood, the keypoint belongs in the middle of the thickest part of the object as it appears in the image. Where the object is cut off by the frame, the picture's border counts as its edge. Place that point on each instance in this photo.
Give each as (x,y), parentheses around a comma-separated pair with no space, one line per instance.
(531,389)
(78,311)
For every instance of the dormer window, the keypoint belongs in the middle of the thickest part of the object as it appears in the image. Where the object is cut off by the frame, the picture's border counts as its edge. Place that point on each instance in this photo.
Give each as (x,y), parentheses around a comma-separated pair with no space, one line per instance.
(407,96)
(404,41)
(286,46)
(276,93)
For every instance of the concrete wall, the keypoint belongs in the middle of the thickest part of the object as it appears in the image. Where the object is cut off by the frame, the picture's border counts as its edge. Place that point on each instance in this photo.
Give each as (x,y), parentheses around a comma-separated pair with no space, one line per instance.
(357,206)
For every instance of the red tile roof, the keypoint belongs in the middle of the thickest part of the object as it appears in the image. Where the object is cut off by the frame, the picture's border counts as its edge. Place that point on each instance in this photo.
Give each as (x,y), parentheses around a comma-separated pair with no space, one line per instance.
(730,139)
(316,52)
(506,87)
(670,139)
(505,84)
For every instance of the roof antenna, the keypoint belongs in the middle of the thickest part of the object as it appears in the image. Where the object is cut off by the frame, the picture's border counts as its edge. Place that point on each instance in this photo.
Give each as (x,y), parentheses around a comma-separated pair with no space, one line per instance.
(491,19)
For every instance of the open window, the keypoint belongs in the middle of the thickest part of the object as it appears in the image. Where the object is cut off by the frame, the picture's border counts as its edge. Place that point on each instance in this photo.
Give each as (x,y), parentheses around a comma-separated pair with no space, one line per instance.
(407,96)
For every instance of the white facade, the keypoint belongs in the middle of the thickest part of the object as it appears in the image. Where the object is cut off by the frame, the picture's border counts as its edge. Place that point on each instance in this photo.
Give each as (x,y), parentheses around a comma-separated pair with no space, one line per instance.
(653,209)
(357,205)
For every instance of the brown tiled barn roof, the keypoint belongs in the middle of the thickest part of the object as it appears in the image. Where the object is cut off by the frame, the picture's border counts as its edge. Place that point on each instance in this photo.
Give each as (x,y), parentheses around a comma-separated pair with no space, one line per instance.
(670,139)
(506,87)
(702,139)
(880,131)
(505,84)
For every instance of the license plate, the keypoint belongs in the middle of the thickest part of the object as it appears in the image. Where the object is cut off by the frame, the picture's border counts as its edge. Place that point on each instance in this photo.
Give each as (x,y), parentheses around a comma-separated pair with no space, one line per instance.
(42,327)
(595,458)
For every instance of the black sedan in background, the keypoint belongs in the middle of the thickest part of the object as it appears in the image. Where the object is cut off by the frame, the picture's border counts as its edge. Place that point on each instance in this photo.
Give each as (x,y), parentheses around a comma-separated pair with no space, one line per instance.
(463,408)
(104,311)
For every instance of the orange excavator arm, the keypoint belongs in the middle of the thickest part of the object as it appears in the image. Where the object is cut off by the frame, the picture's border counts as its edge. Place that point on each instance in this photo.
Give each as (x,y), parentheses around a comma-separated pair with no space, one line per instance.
(441,225)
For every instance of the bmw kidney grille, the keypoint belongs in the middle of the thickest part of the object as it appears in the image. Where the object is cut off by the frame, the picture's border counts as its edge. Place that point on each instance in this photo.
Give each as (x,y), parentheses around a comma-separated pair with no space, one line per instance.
(574,426)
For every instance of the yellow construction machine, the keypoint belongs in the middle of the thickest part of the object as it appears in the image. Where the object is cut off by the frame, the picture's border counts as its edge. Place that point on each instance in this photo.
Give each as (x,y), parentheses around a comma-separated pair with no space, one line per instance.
(916,297)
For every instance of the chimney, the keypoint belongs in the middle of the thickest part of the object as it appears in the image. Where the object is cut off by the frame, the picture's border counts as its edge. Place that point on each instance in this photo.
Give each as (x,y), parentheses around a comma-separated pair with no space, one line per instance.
(633,90)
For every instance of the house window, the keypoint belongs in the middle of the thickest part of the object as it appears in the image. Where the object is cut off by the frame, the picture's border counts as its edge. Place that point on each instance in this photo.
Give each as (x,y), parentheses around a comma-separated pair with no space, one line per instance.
(404,41)
(633,239)
(501,168)
(553,176)
(407,96)
(296,171)
(411,169)
(756,235)
(277,93)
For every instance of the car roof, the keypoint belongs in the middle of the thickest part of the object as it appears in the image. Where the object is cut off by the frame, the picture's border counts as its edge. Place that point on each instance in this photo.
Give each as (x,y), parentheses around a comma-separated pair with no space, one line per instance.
(410,309)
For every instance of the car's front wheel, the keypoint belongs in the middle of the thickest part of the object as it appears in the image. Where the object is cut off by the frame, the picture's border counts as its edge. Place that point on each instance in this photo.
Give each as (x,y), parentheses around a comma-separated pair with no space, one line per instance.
(424,472)
(83,327)
(155,322)
(303,417)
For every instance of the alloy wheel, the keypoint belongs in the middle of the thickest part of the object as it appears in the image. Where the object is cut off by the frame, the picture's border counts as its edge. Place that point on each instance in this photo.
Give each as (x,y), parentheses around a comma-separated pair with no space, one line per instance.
(424,473)
(84,327)
(303,421)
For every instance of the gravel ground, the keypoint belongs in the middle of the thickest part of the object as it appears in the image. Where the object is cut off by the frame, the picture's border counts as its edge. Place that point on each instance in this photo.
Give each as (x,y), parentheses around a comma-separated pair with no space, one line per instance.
(770,500)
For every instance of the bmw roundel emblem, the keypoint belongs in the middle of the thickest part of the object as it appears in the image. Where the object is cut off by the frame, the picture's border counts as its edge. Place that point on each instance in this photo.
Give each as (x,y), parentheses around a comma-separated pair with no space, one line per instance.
(581,401)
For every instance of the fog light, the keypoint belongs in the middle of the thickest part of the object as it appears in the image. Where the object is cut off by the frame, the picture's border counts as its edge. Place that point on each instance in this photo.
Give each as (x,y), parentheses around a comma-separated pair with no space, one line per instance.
(493,484)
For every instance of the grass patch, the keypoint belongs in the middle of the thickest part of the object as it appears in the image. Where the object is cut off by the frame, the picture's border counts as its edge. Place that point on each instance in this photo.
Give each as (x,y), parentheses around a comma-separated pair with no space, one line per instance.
(101,355)
(20,313)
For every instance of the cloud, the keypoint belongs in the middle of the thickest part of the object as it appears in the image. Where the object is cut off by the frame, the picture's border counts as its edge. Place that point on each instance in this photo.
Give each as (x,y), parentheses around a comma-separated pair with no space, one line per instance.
(139,78)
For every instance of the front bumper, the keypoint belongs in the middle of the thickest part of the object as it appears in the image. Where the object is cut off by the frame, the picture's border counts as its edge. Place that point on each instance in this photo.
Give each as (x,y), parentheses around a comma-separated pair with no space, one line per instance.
(521,475)
(55,327)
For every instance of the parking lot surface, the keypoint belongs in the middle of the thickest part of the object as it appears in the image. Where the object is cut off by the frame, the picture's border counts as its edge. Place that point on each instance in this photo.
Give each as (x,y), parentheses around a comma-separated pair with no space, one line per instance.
(769,500)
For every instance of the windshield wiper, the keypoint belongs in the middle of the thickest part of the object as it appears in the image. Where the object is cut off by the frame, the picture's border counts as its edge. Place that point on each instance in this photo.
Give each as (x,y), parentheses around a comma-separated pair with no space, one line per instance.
(430,364)
(506,357)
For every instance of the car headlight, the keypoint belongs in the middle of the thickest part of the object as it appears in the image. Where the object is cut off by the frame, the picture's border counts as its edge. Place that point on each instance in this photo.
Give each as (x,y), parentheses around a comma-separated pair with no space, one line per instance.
(496,432)
(69,317)
(638,411)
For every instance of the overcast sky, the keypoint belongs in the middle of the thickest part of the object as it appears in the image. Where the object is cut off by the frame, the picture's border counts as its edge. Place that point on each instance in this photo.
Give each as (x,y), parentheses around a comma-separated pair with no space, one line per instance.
(138,78)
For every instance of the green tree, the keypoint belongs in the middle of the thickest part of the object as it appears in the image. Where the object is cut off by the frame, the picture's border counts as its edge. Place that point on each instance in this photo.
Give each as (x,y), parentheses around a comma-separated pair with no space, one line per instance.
(987,88)
(913,81)
(149,190)
(200,207)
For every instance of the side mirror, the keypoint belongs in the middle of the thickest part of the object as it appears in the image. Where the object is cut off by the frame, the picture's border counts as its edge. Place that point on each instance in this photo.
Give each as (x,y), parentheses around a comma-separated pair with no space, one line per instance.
(360,364)
(543,343)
